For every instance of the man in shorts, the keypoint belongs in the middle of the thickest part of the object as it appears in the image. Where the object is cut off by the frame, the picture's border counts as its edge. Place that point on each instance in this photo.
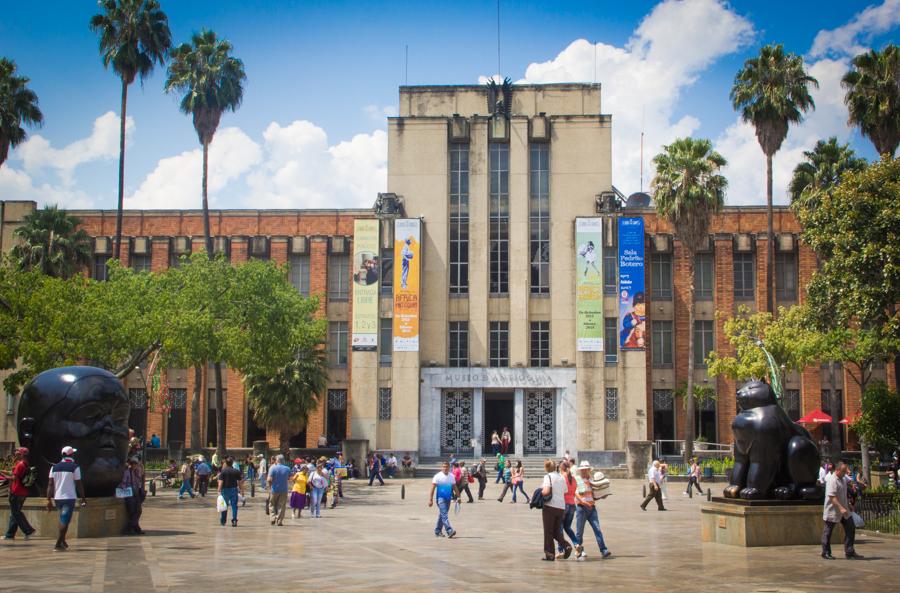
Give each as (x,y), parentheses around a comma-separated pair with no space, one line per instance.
(64,487)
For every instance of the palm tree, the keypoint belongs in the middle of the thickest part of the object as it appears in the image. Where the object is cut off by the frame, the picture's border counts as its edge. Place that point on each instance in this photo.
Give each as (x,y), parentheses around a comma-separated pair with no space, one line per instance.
(211,81)
(52,243)
(772,91)
(687,190)
(873,97)
(821,171)
(18,107)
(134,35)
(284,400)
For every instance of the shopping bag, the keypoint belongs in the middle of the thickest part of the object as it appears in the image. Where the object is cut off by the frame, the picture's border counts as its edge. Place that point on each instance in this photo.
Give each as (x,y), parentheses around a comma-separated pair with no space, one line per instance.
(857,520)
(124,492)
(456,507)
(221,505)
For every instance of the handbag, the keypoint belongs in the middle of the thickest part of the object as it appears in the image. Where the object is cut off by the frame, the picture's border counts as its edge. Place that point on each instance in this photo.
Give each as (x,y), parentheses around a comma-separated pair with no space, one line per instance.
(857,519)
(221,505)
(126,492)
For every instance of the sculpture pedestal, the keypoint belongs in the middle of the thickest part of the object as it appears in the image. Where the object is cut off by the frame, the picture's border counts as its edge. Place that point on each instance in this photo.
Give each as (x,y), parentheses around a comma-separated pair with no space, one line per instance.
(763,523)
(102,517)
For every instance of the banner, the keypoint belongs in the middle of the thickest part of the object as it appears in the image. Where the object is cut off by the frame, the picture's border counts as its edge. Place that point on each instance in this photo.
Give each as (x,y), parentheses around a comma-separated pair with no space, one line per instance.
(366,273)
(407,263)
(632,314)
(589,284)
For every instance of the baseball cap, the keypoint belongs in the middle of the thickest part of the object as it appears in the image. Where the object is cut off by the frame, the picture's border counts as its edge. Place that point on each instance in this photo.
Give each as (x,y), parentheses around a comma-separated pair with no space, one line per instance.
(67,450)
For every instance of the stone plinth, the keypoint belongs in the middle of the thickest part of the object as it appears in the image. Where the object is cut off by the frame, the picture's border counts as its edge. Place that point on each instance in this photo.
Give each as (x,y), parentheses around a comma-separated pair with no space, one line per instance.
(357,449)
(637,456)
(763,523)
(102,517)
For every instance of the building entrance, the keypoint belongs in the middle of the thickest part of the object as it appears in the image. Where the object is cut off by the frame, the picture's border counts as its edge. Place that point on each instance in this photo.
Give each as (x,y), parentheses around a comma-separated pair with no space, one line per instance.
(499,413)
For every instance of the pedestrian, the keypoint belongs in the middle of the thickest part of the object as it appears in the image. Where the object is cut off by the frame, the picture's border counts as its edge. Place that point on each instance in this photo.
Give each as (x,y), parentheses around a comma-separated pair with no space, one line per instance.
(586,512)
(507,479)
(505,439)
(569,497)
(480,474)
(187,476)
(664,481)
(443,489)
(318,482)
(65,484)
(391,466)
(553,511)
(693,478)
(518,481)
(653,483)
(133,484)
(495,443)
(23,480)
(250,468)
(500,467)
(298,492)
(837,510)
(375,470)
(277,480)
(231,481)
(465,478)
(263,466)
(203,471)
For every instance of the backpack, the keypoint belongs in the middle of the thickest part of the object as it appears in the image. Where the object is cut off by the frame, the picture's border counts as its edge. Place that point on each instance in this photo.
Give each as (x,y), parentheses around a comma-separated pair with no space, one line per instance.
(537,499)
(30,477)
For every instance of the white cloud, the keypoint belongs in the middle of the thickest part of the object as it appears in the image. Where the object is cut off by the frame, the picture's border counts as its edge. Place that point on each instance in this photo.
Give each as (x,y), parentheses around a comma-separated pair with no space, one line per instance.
(851,39)
(643,80)
(19,185)
(379,115)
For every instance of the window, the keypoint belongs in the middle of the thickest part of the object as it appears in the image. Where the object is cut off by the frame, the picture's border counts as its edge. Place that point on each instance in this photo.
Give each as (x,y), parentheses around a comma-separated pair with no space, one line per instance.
(459,344)
(385,340)
(744,266)
(499,218)
(338,277)
(336,423)
(459,219)
(137,418)
(611,340)
(540,343)
(141,262)
(337,343)
(792,403)
(839,412)
(99,270)
(212,429)
(300,273)
(176,425)
(703,277)
(387,271)
(612,404)
(703,342)
(664,421)
(661,276)
(539,218)
(610,267)
(384,403)
(786,276)
(499,344)
(661,346)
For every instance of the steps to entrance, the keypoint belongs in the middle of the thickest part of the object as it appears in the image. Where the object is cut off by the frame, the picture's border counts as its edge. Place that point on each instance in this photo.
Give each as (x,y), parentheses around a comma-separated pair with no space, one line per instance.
(534,466)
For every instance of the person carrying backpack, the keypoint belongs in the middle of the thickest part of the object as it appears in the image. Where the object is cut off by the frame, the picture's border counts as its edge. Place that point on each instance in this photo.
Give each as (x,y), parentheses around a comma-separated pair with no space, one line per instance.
(23,479)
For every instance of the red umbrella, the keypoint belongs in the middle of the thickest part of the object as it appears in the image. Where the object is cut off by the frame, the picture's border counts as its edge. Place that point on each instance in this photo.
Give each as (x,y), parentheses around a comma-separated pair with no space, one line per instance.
(815,417)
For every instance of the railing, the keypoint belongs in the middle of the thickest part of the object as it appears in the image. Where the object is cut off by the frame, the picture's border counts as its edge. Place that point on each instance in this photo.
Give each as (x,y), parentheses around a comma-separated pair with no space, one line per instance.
(881,512)
(670,447)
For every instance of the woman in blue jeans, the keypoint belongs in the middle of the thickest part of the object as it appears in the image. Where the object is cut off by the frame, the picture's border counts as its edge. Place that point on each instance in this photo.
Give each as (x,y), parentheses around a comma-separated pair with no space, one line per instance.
(586,512)
(569,480)
(317,483)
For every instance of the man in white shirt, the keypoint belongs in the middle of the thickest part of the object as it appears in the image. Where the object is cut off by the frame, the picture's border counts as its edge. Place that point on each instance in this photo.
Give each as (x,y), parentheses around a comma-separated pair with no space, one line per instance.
(654,479)
(838,510)
(443,489)
(63,489)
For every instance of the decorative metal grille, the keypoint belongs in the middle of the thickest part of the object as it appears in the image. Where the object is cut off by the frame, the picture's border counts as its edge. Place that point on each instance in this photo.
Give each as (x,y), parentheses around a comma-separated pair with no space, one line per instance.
(138,398)
(662,400)
(384,403)
(612,404)
(456,422)
(178,398)
(540,422)
(337,399)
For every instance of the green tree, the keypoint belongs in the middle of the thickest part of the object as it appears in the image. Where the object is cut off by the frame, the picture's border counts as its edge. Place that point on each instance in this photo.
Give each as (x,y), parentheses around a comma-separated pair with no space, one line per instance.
(772,91)
(211,82)
(878,421)
(873,97)
(52,243)
(687,190)
(18,108)
(134,36)
(283,400)
(821,170)
(702,395)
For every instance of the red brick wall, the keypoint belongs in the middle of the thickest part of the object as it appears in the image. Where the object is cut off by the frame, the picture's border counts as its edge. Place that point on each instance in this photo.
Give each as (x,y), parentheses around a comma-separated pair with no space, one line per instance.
(724,301)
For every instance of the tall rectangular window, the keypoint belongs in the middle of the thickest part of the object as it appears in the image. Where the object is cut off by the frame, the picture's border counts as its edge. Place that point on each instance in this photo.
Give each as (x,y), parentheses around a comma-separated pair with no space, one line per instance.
(499,217)
(300,273)
(387,271)
(610,267)
(459,219)
(499,343)
(661,276)
(540,343)
(703,341)
(176,425)
(792,403)
(612,404)
(611,340)
(703,277)
(338,277)
(384,403)
(744,273)
(661,345)
(459,344)
(385,340)
(337,343)
(99,270)
(140,262)
(786,276)
(539,218)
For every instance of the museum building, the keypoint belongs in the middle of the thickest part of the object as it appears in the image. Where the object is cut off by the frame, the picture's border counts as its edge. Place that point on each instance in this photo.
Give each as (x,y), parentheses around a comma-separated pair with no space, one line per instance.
(500,281)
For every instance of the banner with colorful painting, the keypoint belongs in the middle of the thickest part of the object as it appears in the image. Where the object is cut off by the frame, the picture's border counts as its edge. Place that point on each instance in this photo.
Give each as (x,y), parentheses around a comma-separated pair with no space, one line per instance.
(366,274)
(407,265)
(589,284)
(632,314)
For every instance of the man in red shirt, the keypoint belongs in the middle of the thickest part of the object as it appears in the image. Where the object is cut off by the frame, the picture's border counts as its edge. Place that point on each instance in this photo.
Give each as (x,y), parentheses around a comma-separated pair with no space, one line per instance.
(17,495)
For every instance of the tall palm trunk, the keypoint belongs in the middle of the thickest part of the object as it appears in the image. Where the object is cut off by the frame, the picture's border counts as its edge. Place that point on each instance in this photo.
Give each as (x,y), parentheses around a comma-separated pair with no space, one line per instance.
(835,421)
(689,408)
(770,244)
(196,442)
(121,203)
(863,443)
(206,231)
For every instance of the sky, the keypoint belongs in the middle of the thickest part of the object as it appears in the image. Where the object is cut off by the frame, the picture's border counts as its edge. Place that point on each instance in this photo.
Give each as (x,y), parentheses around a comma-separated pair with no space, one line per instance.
(322,77)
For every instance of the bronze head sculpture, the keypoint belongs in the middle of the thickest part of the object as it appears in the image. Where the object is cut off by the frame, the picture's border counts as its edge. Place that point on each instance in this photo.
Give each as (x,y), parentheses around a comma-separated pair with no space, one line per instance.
(81,406)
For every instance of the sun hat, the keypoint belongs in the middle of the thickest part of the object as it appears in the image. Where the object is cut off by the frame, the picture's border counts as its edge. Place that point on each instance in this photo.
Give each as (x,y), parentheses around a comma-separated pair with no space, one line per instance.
(67,450)
(584,465)
(298,461)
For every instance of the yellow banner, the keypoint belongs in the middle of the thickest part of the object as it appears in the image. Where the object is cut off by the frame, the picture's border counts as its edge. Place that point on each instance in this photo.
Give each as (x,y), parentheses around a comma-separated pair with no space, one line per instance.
(366,273)
(407,264)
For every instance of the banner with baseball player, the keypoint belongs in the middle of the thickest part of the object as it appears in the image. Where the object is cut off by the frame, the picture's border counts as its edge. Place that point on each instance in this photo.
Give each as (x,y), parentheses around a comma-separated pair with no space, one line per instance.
(589,284)
(407,264)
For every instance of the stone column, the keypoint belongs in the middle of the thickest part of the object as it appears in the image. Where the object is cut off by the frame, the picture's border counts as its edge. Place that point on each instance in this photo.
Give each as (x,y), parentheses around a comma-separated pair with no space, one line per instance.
(519,421)
(478,421)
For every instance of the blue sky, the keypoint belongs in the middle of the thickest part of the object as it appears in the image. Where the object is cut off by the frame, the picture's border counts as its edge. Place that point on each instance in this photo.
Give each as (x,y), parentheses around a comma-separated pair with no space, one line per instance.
(323,75)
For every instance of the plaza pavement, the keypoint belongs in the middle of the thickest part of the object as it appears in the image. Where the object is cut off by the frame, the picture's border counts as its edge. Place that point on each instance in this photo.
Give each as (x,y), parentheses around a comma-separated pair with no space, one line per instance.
(375,541)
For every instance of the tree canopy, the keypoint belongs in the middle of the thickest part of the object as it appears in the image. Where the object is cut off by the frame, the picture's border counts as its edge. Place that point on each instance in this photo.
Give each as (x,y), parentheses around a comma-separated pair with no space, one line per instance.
(51,243)
(873,97)
(18,108)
